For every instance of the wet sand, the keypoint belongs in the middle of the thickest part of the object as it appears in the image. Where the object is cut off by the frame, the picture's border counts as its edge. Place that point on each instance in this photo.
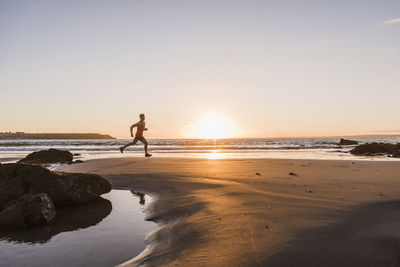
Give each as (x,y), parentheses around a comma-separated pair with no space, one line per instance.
(264,212)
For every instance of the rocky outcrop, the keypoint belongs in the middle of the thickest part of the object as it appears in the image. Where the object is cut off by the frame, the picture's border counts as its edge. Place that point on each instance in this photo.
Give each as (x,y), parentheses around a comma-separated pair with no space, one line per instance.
(345,142)
(27,210)
(48,157)
(29,192)
(68,218)
(373,149)
(17,179)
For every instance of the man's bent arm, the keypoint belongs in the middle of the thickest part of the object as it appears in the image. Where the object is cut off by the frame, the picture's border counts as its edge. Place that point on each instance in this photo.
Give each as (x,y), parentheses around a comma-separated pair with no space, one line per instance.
(133,126)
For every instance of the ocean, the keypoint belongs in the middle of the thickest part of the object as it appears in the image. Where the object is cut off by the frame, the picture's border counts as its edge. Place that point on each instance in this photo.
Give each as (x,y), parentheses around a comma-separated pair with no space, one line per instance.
(289,148)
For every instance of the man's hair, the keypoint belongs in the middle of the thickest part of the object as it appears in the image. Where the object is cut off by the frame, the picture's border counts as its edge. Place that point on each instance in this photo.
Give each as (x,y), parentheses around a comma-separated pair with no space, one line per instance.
(141,115)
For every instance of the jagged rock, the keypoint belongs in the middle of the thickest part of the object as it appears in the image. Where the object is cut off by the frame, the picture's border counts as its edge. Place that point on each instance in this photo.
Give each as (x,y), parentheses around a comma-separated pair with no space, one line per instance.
(17,179)
(48,156)
(372,149)
(26,211)
(345,142)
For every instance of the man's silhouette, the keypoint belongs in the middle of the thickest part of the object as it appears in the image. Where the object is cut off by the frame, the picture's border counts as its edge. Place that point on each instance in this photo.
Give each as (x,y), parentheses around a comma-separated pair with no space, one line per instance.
(141,126)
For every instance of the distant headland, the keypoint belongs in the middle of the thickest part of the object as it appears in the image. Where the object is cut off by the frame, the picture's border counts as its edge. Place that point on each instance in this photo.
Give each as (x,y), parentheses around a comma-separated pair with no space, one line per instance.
(22,135)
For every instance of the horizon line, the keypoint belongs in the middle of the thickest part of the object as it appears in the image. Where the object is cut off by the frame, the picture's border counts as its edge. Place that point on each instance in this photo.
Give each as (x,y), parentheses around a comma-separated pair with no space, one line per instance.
(262,137)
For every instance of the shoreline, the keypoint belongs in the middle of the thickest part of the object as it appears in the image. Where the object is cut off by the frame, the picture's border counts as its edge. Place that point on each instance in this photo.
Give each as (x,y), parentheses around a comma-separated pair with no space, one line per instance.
(201,204)
(299,148)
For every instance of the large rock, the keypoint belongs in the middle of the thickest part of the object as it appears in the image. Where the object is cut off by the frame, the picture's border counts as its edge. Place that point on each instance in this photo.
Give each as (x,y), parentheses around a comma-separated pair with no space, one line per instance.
(371,149)
(345,142)
(17,179)
(48,156)
(69,218)
(26,211)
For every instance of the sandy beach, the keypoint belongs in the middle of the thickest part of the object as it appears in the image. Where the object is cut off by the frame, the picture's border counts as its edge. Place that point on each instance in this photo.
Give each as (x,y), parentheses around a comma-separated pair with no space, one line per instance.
(263,212)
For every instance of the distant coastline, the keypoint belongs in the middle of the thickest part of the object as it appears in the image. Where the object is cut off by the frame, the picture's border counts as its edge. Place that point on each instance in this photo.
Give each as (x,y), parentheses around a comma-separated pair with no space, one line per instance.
(22,135)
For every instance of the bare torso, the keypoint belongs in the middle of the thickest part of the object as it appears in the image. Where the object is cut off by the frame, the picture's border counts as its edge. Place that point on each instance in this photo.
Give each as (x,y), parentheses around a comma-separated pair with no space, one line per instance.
(140,128)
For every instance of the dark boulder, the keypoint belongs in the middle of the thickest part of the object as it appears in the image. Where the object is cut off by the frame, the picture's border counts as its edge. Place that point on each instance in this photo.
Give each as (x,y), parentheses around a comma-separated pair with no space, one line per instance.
(27,210)
(373,149)
(69,218)
(48,156)
(17,179)
(345,142)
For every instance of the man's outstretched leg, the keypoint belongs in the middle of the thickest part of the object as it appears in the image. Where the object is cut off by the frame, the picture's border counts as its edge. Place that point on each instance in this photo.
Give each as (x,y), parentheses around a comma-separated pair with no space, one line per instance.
(129,144)
(146,154)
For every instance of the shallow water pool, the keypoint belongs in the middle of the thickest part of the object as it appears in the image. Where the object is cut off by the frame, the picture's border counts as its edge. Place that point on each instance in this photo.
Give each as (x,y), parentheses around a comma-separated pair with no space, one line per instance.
(106,232)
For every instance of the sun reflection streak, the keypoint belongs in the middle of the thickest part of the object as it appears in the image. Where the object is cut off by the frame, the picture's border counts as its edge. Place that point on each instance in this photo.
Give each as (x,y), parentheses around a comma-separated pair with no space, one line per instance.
(214,155)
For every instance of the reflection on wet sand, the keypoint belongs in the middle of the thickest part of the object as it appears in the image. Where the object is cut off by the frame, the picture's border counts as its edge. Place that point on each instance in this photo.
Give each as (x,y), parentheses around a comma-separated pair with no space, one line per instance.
(141,196)
(69,218)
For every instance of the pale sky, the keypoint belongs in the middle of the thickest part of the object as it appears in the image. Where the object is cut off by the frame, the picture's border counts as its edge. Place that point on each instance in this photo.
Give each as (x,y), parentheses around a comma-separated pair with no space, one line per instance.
(263,68)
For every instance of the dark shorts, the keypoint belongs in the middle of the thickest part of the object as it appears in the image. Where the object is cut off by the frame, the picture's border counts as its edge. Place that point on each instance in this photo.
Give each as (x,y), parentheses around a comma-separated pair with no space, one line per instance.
(141,139)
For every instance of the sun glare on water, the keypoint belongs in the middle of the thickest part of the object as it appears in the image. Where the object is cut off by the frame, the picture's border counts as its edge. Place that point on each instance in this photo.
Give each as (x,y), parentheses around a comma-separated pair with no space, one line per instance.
(214,126)
(214,155)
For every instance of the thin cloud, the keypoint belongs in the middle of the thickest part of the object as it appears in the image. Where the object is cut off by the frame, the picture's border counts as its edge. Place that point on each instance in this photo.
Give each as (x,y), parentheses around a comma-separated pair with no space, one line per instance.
(392,21)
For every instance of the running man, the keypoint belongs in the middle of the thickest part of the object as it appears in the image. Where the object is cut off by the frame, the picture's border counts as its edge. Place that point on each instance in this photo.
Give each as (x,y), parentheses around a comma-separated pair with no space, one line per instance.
(141,126)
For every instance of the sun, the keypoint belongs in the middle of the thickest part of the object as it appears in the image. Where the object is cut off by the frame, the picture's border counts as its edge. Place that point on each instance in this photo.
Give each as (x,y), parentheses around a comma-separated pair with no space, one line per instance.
(214,126)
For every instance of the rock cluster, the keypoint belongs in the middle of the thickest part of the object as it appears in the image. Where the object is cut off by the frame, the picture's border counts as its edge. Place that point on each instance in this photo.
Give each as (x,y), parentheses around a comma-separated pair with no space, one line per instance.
(345,142)
(374,149)
(48,157)
(30,193)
